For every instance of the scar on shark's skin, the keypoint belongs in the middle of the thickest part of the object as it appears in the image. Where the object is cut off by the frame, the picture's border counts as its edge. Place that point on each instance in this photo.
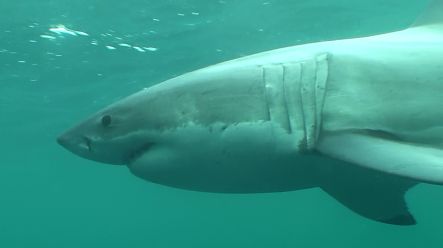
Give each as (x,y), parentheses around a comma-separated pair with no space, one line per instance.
(360,118)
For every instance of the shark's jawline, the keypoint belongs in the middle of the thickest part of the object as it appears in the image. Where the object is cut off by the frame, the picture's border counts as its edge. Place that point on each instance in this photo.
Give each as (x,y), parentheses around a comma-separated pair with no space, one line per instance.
(133,156)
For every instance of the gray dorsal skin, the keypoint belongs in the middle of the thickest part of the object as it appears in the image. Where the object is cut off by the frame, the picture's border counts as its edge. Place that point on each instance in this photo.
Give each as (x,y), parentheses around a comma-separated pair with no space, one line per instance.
(360,118)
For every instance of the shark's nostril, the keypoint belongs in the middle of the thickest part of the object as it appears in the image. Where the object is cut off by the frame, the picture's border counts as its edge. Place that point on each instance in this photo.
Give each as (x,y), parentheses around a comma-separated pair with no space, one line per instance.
(88,143)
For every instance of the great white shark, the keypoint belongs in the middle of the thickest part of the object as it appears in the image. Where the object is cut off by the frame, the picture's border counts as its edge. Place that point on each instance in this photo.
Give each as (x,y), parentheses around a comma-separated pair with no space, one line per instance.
(360,118)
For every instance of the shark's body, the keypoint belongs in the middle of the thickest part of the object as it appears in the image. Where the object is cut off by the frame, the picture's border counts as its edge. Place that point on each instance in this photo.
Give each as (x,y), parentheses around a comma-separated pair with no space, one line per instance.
(360,118)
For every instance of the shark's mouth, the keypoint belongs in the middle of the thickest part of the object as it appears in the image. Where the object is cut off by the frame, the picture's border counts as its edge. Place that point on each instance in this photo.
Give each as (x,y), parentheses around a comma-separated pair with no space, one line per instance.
(133,156)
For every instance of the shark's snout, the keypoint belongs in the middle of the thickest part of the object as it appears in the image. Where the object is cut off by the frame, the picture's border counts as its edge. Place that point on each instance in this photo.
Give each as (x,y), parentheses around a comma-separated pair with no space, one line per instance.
(61,140)
(94,148)
(78,145)
(64,141)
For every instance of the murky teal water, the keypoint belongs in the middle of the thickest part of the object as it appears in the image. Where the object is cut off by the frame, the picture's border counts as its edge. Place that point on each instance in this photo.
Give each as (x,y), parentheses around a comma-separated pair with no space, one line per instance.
(50,80)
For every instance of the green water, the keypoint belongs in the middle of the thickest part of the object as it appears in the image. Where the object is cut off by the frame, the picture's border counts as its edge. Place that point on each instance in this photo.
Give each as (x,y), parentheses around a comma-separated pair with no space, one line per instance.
(51,198)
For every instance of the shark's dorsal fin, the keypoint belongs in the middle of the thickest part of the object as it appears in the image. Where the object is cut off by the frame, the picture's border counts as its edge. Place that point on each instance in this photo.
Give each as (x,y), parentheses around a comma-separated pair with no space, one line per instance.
(432,15)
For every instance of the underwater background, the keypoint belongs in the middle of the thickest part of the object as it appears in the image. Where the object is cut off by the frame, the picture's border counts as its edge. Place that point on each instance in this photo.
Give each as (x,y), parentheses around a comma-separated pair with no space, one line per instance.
(61,61)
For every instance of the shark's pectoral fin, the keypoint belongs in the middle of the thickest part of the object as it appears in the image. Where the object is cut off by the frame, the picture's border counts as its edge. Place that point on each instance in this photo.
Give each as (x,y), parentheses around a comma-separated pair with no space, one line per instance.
(420,163)
(372,194)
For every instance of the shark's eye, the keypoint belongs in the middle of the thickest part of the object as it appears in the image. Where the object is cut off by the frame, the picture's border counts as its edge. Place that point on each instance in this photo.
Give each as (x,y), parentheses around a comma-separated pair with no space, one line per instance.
(106,120)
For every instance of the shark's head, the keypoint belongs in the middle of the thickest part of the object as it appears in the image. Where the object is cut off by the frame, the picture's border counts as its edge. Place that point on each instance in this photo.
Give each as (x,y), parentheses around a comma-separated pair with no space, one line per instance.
(110,136)
(206,130)
(129,127)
